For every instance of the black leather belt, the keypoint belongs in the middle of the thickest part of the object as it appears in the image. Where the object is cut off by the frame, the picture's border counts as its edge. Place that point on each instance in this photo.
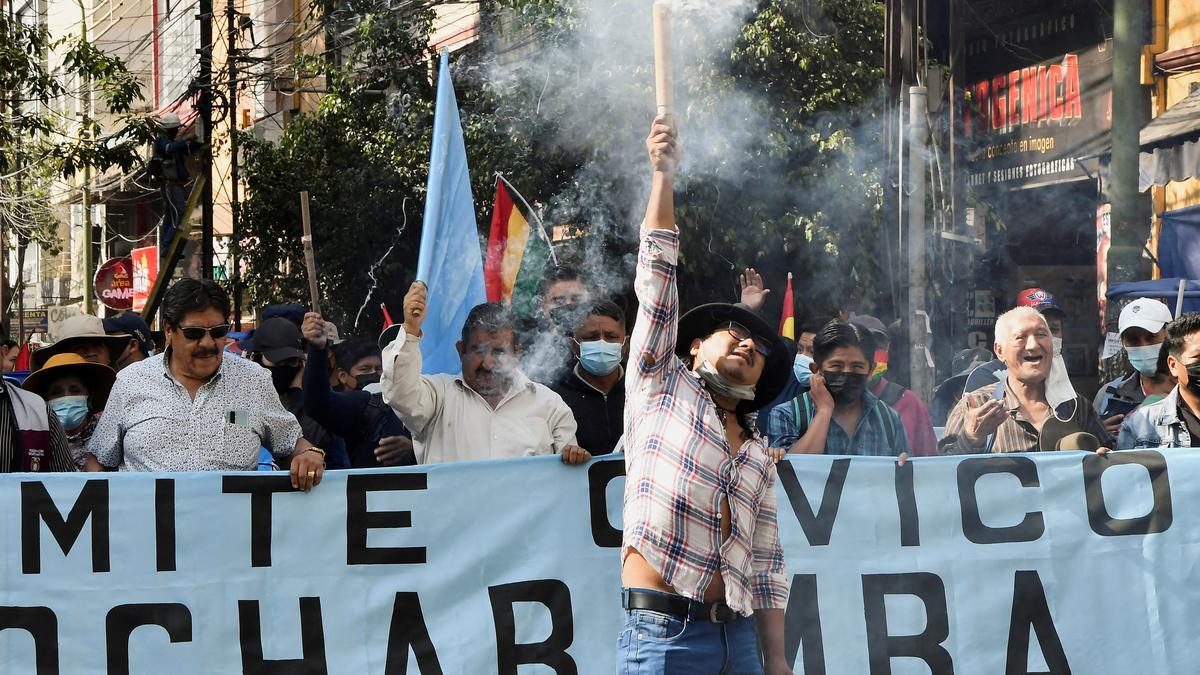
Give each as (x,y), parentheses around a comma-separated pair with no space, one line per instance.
(677,605)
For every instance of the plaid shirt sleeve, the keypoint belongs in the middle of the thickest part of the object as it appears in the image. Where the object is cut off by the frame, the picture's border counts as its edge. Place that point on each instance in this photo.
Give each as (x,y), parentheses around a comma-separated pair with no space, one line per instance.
(781,426)
(769,583)
(653,341)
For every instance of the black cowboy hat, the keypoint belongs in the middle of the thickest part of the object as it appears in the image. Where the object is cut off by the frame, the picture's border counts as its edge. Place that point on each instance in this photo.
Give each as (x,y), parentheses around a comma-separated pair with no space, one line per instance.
(703,320)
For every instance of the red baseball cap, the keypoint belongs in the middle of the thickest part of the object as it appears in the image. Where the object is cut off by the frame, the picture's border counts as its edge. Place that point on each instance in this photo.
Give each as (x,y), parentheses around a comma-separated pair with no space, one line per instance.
(1038,299)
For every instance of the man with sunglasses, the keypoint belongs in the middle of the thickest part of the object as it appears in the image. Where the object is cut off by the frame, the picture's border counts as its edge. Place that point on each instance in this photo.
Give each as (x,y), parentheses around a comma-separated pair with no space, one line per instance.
(701,565)
(192,409)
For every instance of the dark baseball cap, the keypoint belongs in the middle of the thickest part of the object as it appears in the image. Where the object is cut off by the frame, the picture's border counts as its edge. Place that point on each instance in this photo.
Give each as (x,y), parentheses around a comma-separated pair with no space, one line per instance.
(278,339)
(130,323)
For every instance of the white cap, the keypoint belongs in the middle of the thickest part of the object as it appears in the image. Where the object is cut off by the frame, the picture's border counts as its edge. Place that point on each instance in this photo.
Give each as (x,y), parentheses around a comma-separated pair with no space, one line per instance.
(1149,315)
(169,121)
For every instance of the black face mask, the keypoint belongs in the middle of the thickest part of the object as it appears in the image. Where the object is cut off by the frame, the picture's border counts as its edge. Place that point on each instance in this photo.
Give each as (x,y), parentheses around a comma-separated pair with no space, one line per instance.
(1193,383)
(363,380)
(282,377)
(845,387)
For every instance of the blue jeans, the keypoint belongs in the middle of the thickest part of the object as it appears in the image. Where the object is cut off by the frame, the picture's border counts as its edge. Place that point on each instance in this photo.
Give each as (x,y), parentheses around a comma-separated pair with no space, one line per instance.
(653,643)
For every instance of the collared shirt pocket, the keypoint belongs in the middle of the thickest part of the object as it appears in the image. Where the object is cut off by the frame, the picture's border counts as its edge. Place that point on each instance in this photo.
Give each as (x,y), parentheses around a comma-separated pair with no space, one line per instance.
(241,438)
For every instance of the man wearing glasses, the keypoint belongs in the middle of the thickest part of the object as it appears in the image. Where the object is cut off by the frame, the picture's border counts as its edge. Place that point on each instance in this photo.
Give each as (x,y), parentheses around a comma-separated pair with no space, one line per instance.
(191,409)
(701,565)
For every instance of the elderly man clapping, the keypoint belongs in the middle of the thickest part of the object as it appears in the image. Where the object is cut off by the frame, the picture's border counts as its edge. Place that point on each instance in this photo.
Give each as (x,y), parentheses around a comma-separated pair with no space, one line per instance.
(1032,406)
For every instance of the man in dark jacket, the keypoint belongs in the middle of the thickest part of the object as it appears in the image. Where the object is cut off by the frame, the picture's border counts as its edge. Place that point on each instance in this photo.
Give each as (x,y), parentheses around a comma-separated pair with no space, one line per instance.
(594,389)
(374,435)
(275,346)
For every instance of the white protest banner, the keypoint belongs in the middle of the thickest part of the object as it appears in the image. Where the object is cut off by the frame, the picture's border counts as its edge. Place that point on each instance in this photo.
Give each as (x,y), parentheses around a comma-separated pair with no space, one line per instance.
(1058,563)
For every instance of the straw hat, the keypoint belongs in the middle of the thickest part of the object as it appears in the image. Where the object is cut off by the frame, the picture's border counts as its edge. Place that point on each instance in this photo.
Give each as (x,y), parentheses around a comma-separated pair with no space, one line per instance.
(98,378)
(77,329)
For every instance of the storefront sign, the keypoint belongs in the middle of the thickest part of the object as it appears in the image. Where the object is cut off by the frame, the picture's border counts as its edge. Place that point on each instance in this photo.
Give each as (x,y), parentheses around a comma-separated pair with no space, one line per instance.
(1038,98)
(34,320)
(114,283)
(145,272)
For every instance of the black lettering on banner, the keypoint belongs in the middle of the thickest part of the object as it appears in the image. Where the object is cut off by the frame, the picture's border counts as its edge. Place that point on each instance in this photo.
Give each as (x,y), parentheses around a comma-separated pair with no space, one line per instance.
(164,524)
(359,519)
(36,505)
(42,624)
(1031,527)
(803,625)
(1031,609)
(1160,516)
(552,651)
(818,527)
(260,489)
(409,630)
(123,619)
(312,642)
(906,501)
(600,474)
(882,647)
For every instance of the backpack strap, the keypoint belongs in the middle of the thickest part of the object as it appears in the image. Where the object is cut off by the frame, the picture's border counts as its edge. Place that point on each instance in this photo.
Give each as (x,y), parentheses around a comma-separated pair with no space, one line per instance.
(885,421)
(803,419)
(891,394)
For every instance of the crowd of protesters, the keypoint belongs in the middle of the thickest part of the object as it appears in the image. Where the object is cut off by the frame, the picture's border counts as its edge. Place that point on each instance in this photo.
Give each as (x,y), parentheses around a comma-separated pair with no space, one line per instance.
(296,395)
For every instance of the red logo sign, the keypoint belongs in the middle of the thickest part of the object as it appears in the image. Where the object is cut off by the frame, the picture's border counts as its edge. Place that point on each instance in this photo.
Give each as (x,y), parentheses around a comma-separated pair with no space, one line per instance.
(145,272)
(114,283)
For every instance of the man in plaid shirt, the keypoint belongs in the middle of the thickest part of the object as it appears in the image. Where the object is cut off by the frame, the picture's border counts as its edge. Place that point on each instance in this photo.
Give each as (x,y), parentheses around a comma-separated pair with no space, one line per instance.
(702,568)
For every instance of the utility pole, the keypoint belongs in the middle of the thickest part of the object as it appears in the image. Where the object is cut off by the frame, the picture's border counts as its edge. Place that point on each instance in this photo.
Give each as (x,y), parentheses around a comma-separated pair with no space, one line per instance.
(920,380)
(1129,107)
(231,59)
(89,301)
(205,84)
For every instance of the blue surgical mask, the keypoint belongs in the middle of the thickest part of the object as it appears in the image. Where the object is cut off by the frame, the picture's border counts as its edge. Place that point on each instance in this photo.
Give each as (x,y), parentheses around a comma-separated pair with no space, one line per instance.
(599,357)
(71,410)
(802,367)
(1145,359)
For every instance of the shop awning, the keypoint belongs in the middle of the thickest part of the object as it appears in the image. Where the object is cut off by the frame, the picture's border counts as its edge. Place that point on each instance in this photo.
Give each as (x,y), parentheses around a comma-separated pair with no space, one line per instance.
(1170,144)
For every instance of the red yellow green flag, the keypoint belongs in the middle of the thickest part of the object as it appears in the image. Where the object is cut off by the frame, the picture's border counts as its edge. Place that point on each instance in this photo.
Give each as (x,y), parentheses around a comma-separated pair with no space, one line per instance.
(506,246)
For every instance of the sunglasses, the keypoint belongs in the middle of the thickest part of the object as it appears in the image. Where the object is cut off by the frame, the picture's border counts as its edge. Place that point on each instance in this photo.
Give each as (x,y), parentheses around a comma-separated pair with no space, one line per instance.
(196,333)
(741,334)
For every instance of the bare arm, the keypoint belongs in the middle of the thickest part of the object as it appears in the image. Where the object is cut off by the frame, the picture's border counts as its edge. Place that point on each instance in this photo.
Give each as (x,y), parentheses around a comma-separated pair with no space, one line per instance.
(770,640)
(813,440)
(663,146)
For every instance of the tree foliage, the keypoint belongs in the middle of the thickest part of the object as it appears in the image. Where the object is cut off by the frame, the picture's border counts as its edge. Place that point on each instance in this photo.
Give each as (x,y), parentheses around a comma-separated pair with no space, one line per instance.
(804,195)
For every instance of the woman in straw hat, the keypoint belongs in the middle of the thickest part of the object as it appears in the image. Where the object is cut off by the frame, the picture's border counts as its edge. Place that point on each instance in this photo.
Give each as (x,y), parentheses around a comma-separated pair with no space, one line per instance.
(76,391)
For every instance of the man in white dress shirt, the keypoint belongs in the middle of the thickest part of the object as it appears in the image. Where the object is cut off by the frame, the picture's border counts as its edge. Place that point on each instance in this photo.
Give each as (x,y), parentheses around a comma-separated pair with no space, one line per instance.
(491,411)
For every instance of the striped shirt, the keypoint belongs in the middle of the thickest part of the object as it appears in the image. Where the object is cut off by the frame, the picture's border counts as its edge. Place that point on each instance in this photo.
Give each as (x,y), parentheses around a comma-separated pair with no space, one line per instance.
(1016,433)
(11,452)
(680,468)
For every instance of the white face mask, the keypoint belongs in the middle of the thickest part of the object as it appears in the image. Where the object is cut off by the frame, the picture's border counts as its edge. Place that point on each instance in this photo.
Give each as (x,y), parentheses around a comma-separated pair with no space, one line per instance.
(722,387)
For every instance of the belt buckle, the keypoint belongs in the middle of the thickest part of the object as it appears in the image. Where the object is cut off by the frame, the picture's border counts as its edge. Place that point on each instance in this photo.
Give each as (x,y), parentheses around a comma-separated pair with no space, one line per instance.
(715,615)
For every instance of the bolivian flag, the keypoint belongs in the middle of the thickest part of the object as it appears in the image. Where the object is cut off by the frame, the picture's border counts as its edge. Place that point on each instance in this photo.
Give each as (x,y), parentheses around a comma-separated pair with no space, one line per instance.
(787,323)
(516,254)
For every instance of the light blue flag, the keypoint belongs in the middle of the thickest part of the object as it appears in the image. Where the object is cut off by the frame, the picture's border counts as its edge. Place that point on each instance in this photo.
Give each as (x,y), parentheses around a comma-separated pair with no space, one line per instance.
(450,262)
